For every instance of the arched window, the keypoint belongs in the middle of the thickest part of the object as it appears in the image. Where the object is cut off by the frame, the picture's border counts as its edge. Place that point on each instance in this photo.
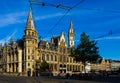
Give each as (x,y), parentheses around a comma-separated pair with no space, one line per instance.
(43,57)
(55,58)
(67,59)
(64,66)
(51,57)
(70,67)
(60,65)
(47,57)
(64,59)
(28,57)
(61,58)
(28,64)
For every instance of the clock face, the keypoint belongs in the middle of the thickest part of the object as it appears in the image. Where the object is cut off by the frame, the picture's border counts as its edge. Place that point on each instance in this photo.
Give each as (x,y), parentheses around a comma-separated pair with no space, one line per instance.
(71,38)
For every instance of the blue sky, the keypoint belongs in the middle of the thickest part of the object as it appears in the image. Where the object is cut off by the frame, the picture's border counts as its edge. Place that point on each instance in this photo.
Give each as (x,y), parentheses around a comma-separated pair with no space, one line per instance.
(95,17)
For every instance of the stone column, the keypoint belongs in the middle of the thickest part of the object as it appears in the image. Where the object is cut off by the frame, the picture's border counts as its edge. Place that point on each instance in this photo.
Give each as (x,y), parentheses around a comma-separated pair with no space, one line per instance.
(11,68)
(7,67)
(11,58)
(14,67)
(72,67)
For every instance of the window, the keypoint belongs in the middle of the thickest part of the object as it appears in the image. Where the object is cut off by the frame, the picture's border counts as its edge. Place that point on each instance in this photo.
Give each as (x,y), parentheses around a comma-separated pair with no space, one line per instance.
(43,57)
(28,50)
(28,33)
(55,58)
(33,42)
(64,51)
(32,51)
(64,59)
(28,56)
(60,65)
(28,64)
(32,66)
(70,60)
(47,57)
(67,59)
(70,67)
(32,57)
(47,46)
(51,57)
(61,58)
(55,67)
(32,33)
(28,41)
(60,49)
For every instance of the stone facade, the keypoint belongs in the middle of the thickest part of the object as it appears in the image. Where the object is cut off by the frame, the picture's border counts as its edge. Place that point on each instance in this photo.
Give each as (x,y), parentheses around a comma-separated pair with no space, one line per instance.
(115,65)
(23,55)
(102,65)
(11,57)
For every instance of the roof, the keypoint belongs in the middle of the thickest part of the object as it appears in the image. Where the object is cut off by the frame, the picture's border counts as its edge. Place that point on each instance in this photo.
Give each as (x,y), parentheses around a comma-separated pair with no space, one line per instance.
(30,22)
(56,40)
(46,45)
(71,27)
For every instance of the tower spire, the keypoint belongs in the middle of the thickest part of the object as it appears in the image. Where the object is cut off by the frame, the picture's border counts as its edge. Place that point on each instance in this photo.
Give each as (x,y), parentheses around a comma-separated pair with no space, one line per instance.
(30,22)
(71,27)
(71,35)
(71,24)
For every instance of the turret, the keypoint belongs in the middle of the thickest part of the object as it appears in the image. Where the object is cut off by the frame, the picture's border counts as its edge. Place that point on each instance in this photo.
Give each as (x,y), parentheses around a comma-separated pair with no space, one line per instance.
(30,44)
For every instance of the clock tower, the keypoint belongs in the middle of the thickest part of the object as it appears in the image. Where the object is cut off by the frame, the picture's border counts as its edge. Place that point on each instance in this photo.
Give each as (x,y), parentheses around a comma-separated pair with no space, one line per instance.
(71,35)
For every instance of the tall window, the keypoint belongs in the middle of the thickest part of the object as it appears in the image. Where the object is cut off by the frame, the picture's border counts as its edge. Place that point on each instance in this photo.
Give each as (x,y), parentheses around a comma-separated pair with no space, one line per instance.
(32,66)
(28,56)
(55,67)
(43,57)
(64,59)
(32,33)
(60,49)
(33,51)
(28,64)
(51,57)
(47,57)
(28,50)
(70,67)
(64,51)
(55,58)
(70,60)
(60,58)
(67,59)
(33,42)
(32,57)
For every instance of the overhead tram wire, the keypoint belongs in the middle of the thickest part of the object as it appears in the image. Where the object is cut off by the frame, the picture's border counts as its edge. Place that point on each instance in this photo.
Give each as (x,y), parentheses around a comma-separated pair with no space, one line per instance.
(108,34)
(102,36)
(68,10)
(36,2)
(48,4)
(64,16)
(57,6)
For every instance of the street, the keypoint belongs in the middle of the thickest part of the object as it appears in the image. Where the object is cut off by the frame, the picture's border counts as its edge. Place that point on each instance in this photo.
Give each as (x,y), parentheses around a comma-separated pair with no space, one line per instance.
(97,79)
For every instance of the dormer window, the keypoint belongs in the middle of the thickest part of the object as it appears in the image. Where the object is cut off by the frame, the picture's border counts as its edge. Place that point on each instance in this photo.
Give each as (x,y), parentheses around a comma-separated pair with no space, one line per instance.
(47,45)
(32,33)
